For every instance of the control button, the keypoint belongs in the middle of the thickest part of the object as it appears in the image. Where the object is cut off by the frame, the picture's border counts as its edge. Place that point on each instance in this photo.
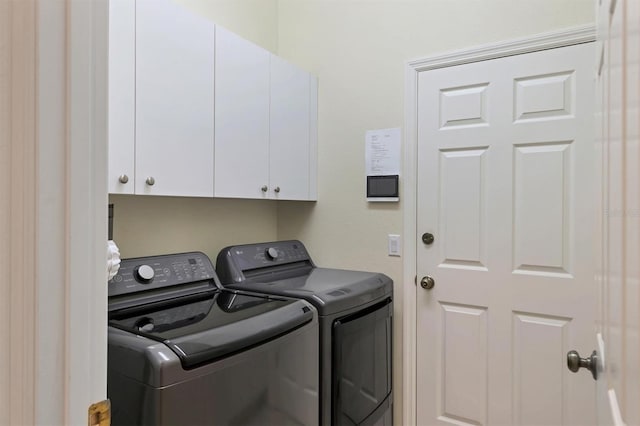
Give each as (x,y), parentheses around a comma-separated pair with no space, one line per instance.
(272,253)
(144,274)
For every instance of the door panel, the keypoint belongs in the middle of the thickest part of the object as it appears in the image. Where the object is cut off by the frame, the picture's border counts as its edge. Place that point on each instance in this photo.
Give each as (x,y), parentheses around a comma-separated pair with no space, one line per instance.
(464,106)
(504,183)
(463,208)
(463,384)
(543,97)
(539,339)
(541,208)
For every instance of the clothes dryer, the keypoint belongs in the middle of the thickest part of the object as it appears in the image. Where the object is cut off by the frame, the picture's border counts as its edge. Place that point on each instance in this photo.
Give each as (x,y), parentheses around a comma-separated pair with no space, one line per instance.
(355,313)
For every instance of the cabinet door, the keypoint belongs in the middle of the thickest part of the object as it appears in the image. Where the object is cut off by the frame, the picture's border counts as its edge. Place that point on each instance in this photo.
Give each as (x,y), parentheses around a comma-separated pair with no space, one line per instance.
(122,93)
(174,100)
(289,131)
(242,118)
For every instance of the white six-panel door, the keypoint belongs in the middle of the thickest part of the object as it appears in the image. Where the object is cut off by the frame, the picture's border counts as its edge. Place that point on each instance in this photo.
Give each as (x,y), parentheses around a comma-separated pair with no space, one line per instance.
(505,186)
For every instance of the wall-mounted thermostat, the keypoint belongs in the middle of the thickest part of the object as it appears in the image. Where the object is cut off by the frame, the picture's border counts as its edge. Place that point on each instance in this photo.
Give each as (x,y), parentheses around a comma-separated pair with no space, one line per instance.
(382,156)
(383,188)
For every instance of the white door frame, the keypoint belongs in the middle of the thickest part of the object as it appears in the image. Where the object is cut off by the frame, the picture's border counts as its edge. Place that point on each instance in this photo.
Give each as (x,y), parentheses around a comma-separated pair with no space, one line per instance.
(85,328)
(53,204)
(534,43)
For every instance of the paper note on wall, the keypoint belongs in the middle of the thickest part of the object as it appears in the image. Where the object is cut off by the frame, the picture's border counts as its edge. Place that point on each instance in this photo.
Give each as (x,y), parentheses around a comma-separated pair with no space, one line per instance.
(382,152)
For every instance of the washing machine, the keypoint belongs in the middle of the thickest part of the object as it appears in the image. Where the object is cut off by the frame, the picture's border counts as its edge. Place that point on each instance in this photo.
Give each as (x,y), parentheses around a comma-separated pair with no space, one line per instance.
(355,315)
(182,350)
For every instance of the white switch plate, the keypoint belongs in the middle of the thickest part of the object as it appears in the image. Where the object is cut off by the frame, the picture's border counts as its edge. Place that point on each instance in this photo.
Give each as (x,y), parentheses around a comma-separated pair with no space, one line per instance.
(394,245)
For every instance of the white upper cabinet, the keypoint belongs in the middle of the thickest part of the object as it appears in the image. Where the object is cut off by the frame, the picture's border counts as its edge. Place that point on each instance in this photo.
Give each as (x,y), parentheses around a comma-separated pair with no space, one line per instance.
(195,110)
(122,96)
(241,117)
(174,86)
(266,121)
(293,91)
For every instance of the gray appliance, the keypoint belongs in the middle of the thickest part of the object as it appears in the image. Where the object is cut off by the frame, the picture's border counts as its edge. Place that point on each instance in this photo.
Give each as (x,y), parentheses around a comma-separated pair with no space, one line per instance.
(184,351)
(355,314)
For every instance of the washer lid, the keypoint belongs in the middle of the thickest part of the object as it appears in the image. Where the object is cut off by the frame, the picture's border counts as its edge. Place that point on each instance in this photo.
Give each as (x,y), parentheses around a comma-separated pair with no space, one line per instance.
(212,327)
(329,290)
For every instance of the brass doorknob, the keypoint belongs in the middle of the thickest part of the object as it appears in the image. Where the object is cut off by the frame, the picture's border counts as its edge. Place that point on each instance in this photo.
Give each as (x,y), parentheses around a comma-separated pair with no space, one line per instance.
(427,282)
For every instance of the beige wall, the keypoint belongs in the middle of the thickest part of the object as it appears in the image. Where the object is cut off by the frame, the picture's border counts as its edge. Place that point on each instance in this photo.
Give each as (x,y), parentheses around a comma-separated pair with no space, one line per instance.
(157,225)
(254,20)
(146,225)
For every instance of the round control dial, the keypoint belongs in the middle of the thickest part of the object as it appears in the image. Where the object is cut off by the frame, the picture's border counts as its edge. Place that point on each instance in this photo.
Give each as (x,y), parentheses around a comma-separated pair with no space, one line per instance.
(272,253)
(144,274)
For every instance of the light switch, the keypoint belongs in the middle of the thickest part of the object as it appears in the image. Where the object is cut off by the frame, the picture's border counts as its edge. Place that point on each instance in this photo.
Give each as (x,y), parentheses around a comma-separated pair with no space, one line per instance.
(394,245)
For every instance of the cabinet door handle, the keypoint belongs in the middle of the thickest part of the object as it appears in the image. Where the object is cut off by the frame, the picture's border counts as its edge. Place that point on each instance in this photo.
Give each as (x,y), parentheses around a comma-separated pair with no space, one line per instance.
(276,189)
(150,181)
(264,188)
(123,178)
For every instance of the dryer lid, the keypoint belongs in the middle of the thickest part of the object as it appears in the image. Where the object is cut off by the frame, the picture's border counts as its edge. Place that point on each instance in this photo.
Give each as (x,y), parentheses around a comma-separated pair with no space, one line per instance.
(330,290)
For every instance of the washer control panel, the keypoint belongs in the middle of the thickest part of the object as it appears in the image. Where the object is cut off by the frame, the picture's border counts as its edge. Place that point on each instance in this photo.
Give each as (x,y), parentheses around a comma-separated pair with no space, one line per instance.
(154,272)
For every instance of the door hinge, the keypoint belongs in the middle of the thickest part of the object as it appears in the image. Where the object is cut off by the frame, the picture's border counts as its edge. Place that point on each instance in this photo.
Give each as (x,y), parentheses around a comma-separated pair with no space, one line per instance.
(100,413)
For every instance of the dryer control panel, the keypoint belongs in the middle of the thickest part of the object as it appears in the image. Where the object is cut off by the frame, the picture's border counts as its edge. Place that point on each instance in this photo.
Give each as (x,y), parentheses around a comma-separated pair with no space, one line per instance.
(237,263)
(252,256)
(156,272)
